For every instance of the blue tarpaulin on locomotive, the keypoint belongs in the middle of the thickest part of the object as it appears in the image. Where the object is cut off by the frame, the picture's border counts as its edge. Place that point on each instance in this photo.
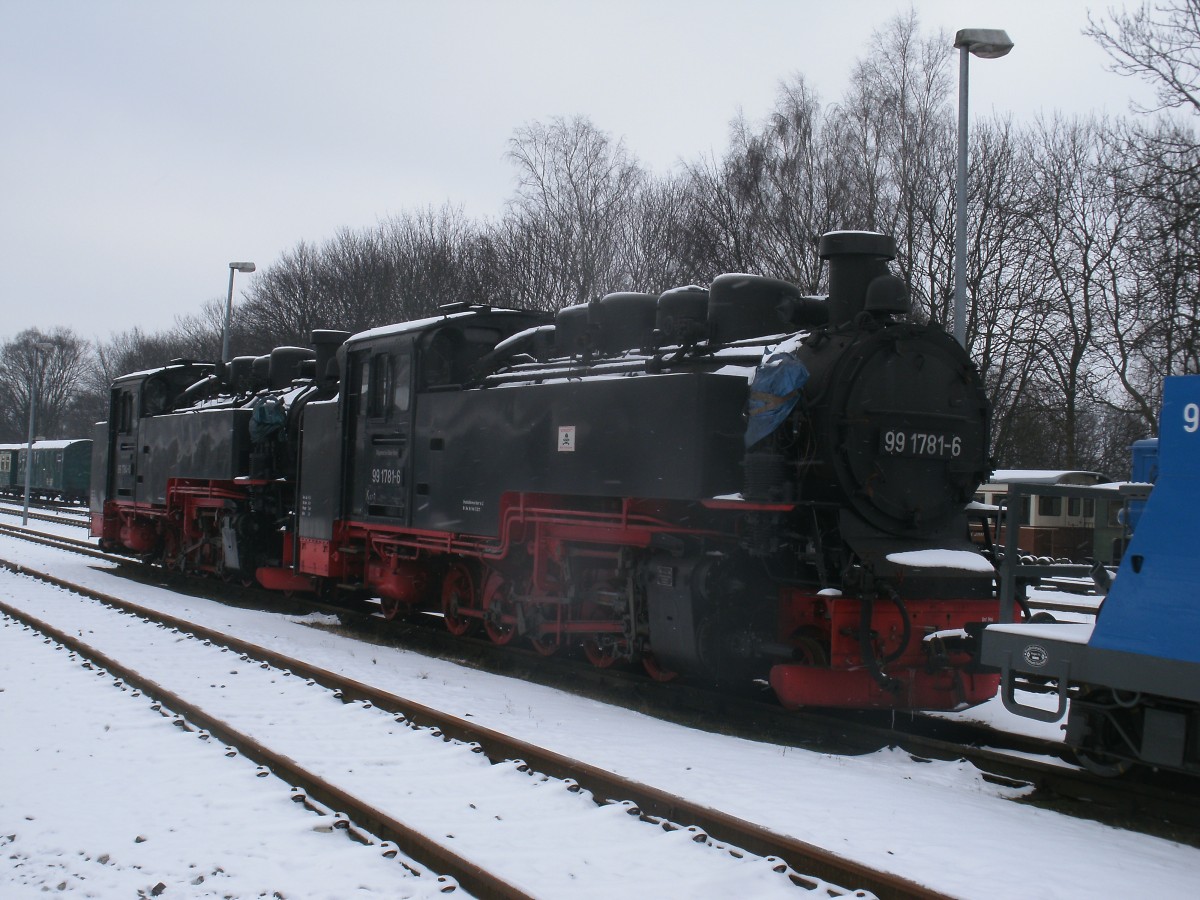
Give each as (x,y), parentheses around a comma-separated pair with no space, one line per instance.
(774,394)
(267,419)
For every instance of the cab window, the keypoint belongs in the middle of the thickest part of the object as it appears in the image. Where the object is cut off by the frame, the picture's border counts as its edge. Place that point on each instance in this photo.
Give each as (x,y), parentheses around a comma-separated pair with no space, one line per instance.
(401,380)
(154,397)
(379,385)
(124,412)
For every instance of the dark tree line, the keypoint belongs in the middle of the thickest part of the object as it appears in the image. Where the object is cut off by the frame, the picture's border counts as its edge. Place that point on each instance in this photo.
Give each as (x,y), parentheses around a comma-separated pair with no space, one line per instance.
(1082,250)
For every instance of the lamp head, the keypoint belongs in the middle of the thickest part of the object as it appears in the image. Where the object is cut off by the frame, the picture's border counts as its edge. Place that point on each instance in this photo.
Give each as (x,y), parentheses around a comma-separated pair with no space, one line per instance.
(242,266)
(986,43)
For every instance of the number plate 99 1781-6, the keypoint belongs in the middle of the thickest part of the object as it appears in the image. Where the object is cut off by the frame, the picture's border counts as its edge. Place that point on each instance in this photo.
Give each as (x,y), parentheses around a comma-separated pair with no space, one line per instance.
(916,442)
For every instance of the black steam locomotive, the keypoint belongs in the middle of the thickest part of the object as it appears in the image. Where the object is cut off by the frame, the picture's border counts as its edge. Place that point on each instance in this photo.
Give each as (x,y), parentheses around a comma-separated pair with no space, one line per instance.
(736,483)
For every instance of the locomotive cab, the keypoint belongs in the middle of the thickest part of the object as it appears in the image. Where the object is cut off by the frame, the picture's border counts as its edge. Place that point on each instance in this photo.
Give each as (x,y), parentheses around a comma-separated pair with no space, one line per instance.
(359,484)
(134,399)
(393,374)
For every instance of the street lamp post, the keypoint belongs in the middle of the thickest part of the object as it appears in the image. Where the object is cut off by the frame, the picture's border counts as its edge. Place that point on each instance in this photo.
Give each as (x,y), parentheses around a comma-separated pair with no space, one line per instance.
(986,43)
(39,347)
(233,267)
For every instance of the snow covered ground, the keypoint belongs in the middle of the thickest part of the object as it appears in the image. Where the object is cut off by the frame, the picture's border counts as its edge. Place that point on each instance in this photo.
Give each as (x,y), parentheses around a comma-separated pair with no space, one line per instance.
(102,798)
(77,791)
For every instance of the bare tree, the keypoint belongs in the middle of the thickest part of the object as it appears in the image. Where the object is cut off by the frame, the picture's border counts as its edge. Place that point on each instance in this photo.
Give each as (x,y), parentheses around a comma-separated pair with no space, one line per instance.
(897,128)
(1154,321)
(723,210)
(1160,43)
(762,207)
(575,188)
(286,299)
(1069,204)
(1007,314)
(651,245)
(124,352)
(432,259)
(199,335)
(55,374)
(1154,318)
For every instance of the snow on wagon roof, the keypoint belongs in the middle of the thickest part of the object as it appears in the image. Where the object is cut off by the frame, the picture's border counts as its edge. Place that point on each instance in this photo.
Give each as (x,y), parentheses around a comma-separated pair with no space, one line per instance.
(1046,476)
(45,445)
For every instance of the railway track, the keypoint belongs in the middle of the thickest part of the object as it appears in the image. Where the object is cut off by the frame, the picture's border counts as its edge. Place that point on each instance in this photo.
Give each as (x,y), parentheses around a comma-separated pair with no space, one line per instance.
(56,518)
(18,499)
(1156,804)
(72,545)
(725,841)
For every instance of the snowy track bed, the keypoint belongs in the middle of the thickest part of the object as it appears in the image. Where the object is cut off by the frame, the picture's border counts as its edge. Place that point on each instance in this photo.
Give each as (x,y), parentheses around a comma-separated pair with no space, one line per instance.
(103,798)
(77,519)
(938,823)
(503,819)
(17,501)
(57,535)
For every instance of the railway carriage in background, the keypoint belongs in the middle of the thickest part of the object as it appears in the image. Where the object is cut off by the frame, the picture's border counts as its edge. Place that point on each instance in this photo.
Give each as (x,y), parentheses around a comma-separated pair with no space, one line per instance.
(740,483)
(8,467)
(61,470)
(1075,528)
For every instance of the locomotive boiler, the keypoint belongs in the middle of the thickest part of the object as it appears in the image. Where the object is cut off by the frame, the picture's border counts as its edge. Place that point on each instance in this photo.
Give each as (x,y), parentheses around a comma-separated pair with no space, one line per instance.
(738,483)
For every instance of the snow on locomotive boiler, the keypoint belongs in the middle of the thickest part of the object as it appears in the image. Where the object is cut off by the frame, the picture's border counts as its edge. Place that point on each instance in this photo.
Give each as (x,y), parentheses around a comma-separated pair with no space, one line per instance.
(735,483)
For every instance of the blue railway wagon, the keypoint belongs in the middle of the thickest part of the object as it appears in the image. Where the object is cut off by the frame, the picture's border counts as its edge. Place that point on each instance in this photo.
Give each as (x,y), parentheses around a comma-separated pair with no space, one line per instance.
(1145,470)
(1131,680)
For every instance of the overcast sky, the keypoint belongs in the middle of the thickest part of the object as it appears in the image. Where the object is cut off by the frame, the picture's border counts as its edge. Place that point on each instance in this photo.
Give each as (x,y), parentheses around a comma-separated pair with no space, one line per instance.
(148,144)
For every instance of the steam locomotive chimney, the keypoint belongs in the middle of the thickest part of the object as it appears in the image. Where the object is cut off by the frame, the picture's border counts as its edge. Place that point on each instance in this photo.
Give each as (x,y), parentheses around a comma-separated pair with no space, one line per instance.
(856,258)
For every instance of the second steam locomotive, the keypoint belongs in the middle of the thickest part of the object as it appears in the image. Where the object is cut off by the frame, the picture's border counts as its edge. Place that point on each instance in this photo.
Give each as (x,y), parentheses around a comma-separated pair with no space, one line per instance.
(736,483)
